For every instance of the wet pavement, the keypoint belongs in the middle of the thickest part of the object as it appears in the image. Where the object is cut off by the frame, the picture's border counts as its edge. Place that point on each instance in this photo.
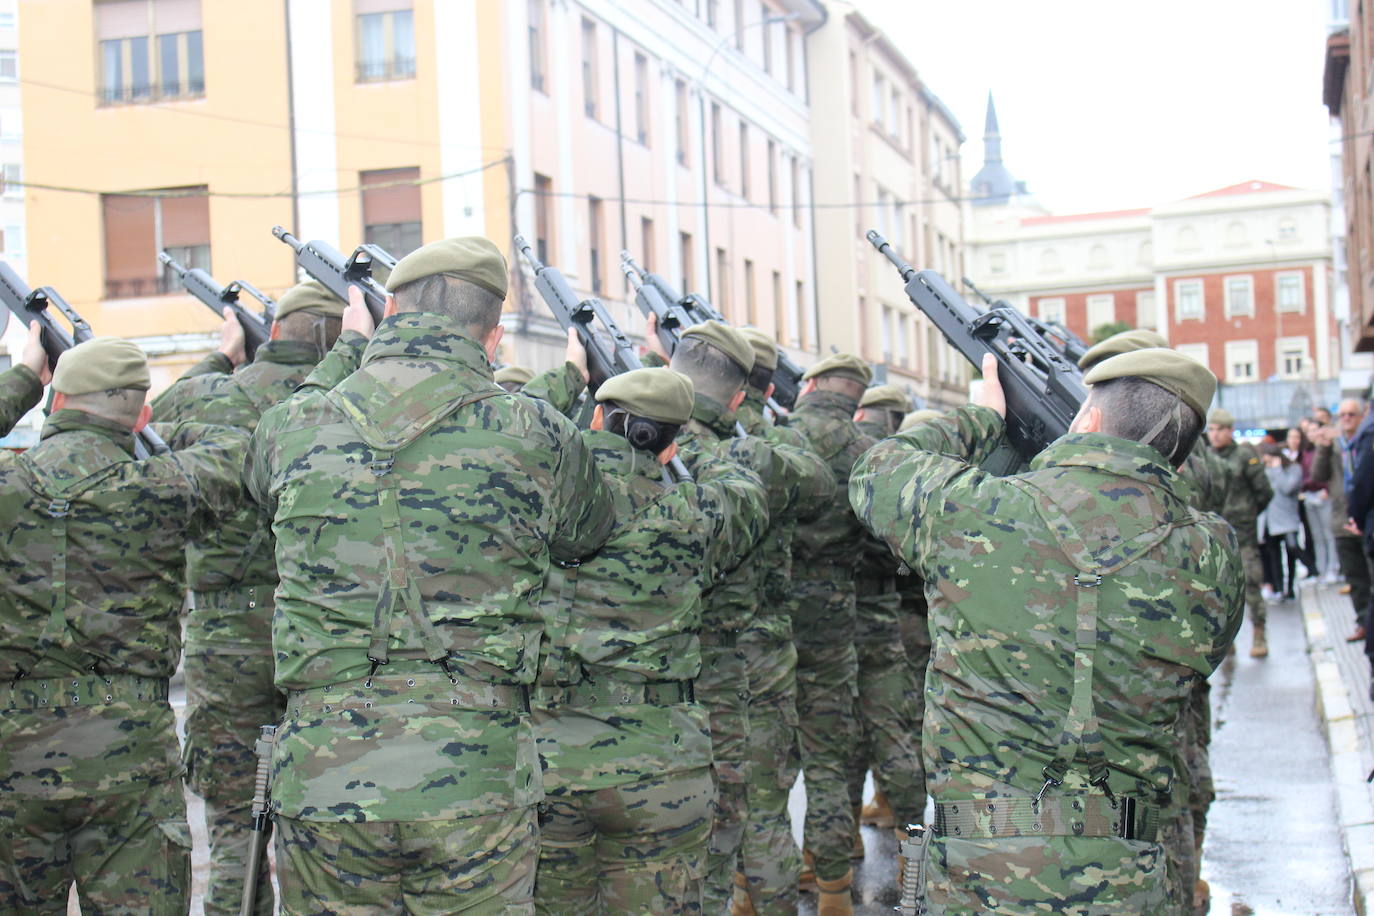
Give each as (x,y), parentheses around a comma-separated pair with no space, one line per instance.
(1273,843)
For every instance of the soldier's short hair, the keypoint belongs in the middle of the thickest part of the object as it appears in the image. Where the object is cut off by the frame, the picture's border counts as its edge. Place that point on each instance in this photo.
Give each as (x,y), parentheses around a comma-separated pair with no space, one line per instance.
(311,327)
(467,303)
(840,383)
(713,373)
(122,405)
(1132,408)
(760,377)
(641,432)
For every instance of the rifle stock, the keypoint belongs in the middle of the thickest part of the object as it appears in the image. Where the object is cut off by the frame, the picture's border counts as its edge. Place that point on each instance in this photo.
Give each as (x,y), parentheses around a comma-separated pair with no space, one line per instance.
(605,357)
(200,284)
(33,306)
(325,263)
(1043,389)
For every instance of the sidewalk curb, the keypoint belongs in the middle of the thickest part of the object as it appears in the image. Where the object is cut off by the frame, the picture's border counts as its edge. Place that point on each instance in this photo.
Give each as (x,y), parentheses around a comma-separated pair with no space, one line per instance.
(1349,766)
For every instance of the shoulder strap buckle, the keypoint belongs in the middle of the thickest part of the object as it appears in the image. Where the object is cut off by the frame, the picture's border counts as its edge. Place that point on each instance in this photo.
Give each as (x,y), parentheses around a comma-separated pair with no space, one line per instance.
(58,507)
(380,467)
(1082,583)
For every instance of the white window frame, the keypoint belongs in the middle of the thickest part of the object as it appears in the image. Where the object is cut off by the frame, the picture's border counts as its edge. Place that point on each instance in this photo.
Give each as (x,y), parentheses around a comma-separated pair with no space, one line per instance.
(1301,305)
(1232,309)
(1179,287)
(1098,301)
(1197,351)
(1052,309)
(1283,346)
(1237,351)
(1145,314)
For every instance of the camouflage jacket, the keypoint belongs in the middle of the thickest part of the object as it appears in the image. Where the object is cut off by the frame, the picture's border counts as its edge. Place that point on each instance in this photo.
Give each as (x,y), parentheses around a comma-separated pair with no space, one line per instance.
(238,552)
(815,491)
(20,392)
(1247,489)
(1001,557)
(830,545)
(1208,475)
(106,594)
(877,568)
(631,613)
(786,472)
(488,492)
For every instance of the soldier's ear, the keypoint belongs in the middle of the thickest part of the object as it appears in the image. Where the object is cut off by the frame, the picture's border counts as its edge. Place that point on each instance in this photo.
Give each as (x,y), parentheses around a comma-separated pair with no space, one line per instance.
(599,419)
(144,416)
(737,400)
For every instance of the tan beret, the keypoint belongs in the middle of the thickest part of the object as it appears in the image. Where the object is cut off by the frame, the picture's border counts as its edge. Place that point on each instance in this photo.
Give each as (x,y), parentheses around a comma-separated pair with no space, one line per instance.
(99,364)
(1189,380)
(471,258)
(310,296)
(515,375)
(845,365)
(658,394)
(725,339)
(918,416)
(886,397)
(765,348)
(1125,342)
(1220,416)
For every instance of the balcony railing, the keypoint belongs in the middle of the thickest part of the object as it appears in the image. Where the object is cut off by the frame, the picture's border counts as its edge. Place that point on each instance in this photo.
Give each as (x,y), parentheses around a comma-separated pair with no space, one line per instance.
(377,70)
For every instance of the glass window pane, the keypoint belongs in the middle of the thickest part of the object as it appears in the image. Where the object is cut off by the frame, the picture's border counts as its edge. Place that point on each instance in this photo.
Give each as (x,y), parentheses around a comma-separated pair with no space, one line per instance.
(140,86)
(371,47)
(112,68)
(168,65)
(403,43)
(195,64)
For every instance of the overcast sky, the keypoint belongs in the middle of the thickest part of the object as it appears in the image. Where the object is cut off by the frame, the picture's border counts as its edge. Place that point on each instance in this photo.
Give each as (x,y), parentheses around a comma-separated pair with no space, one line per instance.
(1113,104)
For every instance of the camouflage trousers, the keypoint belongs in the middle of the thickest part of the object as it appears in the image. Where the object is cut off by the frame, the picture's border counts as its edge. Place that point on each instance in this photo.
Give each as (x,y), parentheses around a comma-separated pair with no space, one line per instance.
(889,710)
(1254,576)
(722,687)
(1020,876)
(1182,833)
(768,857)
(639,847)
(128,853)
(230,694)
(481,865)
(826,686)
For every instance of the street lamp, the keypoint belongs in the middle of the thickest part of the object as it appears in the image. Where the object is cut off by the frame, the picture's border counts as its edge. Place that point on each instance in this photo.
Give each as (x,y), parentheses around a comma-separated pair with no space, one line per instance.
(701,114)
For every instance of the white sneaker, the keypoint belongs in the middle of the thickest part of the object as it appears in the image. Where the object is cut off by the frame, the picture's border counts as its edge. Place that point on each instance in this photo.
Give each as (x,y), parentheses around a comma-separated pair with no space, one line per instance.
(1331,578)
(1268,594)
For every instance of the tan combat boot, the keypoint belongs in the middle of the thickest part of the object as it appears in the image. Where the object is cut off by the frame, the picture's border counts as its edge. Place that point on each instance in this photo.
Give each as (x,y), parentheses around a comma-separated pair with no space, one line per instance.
(877,813)
(1259,646)
(740,904)
(807,881)
(1202,898)
(857,851)
(835,896)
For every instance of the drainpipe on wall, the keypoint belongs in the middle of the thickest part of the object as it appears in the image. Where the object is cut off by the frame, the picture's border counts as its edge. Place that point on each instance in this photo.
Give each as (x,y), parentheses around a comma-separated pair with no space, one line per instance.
(619,156)
(291,128)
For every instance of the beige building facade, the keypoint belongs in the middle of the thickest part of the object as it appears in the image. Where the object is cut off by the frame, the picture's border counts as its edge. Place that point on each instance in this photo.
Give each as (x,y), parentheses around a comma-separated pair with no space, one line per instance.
(886,153)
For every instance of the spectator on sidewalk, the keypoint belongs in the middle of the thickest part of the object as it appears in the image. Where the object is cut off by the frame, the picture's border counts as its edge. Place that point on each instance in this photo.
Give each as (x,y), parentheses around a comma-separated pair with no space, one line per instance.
(1312,504)
(1279,523)
(1360,508)
(1332,465)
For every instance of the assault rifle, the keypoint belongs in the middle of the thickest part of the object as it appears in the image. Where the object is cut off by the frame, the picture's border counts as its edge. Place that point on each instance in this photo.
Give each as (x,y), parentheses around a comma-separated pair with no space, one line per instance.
(1043,389)
(32,305)
(199,283)
(606,356)
(325,263)
(1072,345)
(695,309)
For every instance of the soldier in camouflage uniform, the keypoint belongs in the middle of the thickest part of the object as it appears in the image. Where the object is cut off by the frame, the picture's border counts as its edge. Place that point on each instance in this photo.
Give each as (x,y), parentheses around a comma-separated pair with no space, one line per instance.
(417,507)
(1182,833)
(93,559)
(1247,494)
(626,752)
(825,554)
(232,577)
(769,861)
(718,360)
(513,378)
(1050,779)
(889,732)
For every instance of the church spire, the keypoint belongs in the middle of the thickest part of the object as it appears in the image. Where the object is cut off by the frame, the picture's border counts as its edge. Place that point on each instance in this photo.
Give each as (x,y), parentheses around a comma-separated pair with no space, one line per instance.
(994,184)
(992,137)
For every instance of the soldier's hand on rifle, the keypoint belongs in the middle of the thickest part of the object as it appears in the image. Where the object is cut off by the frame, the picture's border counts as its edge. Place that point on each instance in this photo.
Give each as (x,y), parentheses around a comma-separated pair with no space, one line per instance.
(35,357)
(992,395)
(577,354)
(231,338)
(651,341)
(356,317)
